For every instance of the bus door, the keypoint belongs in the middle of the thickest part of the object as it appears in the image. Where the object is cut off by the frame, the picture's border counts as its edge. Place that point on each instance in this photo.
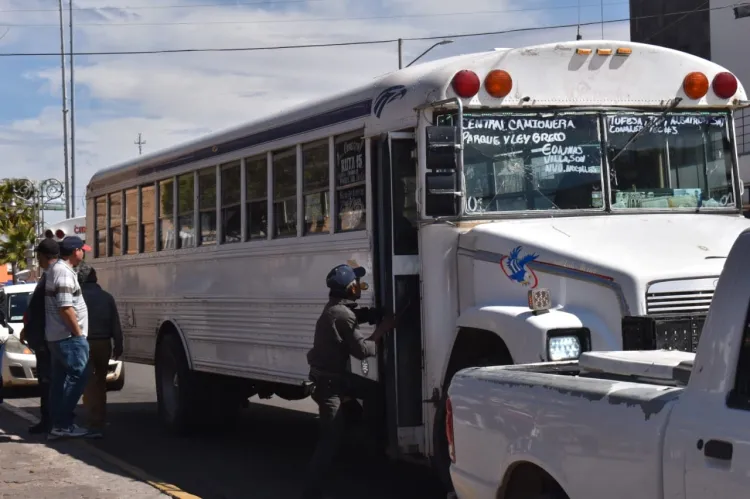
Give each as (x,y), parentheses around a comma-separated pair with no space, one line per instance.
(394,179)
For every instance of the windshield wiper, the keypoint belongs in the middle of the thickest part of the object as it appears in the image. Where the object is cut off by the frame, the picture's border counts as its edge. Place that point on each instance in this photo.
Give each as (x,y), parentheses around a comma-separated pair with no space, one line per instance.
(655,121)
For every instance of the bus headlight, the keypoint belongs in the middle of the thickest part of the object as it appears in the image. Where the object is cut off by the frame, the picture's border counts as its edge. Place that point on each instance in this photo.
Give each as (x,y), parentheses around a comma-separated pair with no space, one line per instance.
(567,344)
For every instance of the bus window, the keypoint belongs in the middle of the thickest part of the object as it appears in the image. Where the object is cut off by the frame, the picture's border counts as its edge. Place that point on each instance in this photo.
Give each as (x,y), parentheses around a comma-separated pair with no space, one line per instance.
(115,224)
(231,202)
(207,205)
(285,192)
(256,180)
(166,214)
(316,187)
(100,227)
(351,191)
(186,210)
(131,222)
(148,214)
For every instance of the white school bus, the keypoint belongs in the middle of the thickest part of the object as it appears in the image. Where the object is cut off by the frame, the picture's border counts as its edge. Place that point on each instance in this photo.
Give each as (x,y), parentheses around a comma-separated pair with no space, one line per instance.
(523,205)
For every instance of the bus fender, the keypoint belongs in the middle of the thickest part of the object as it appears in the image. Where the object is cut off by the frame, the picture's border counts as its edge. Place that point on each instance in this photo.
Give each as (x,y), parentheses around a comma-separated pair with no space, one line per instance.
(168,325)
(523,332)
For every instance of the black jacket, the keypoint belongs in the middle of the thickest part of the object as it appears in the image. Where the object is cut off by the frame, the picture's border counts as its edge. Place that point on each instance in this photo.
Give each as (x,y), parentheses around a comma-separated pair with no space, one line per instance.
(36,317)
(337,336)
(104,319)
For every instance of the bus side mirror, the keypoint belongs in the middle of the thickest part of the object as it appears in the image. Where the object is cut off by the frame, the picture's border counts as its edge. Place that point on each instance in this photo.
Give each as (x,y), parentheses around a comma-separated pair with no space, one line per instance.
(441,196)
(442,147)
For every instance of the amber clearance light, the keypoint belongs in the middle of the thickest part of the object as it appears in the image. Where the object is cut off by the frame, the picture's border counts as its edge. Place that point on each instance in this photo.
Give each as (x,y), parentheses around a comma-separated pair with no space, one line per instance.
(498,83)
(695,85)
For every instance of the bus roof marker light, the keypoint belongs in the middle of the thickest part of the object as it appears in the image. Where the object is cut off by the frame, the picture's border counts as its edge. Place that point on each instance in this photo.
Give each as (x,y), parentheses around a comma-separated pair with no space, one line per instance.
(725,85)
(624,51)
(466,84)
(603,51)
(695,85)
(583,51)
(498,83)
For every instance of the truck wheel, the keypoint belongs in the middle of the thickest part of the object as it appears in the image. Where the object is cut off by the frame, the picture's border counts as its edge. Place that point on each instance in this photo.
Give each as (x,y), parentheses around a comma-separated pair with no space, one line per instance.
(441,461)
(176,386)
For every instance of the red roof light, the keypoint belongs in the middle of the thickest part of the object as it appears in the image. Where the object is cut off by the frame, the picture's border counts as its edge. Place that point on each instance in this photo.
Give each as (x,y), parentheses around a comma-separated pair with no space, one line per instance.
(466,84)
(725,85)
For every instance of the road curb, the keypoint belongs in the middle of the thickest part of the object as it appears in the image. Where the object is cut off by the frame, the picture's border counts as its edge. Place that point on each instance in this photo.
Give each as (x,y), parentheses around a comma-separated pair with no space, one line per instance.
(137,473)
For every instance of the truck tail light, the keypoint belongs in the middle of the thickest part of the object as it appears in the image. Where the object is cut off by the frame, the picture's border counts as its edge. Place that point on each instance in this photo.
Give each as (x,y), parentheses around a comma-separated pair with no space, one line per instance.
(449,429)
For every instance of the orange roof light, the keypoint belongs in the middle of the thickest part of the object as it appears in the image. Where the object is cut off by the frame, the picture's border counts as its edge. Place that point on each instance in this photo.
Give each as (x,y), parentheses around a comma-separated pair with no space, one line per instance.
(583,51)
(624,51)
(498,83)
(695,85)
(604,51)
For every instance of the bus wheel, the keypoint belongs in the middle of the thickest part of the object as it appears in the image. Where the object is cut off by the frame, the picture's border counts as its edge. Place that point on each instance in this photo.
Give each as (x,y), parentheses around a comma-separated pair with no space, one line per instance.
(175,386)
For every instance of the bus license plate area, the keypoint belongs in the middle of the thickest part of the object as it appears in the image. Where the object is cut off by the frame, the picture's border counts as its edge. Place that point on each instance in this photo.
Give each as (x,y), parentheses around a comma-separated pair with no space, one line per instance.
(662,333)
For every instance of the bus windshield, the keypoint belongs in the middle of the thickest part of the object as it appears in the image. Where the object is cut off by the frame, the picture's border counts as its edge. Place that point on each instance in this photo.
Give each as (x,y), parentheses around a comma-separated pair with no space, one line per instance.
(683,160)
(553,161)
(521,162)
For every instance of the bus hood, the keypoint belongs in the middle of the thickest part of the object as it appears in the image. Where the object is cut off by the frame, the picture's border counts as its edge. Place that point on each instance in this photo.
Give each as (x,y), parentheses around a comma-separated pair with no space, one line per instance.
(638,247)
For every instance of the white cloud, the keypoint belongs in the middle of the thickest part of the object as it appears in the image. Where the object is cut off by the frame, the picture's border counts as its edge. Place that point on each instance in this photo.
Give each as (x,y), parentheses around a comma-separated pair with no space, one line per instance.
(173,98)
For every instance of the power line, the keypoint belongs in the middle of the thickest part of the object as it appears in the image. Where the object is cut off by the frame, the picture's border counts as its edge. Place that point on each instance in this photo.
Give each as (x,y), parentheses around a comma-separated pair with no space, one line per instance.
(354,43)
(211,5)
(308,20)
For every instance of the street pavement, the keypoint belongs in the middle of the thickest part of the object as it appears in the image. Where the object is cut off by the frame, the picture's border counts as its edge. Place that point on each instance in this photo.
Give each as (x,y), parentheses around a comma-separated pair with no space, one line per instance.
(264,457)
(29,468)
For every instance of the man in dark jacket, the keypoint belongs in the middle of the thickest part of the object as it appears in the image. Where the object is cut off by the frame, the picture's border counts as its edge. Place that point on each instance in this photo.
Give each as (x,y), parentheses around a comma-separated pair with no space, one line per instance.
(47,253)
(337,336)
(104,327)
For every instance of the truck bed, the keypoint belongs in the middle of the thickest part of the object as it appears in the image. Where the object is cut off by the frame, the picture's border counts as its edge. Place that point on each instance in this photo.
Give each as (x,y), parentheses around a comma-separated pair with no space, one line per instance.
(579,426)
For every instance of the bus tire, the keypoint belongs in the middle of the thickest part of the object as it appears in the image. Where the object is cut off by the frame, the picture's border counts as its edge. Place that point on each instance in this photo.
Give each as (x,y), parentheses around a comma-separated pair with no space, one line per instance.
(177,387)
(493,353)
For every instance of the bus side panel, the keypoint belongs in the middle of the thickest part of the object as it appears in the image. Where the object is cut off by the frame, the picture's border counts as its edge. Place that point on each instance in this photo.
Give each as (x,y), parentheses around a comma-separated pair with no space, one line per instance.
(246,310)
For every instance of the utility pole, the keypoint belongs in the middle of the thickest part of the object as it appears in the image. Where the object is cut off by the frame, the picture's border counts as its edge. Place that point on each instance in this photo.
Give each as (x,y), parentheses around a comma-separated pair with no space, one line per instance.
(602,4)
(140,143)
(64,112)
(400,53)
(72,122)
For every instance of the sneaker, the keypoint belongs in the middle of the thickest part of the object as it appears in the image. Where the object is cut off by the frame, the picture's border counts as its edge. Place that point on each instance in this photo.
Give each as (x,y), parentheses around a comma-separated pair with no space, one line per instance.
(73,431)
(94,434)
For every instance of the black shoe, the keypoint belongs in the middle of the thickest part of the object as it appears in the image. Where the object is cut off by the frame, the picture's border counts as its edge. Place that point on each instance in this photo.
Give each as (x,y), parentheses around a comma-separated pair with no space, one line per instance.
(38,428)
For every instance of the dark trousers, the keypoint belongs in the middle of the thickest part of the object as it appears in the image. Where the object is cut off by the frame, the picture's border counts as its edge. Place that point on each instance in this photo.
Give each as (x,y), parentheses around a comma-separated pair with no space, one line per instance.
(332,428)
(43,368)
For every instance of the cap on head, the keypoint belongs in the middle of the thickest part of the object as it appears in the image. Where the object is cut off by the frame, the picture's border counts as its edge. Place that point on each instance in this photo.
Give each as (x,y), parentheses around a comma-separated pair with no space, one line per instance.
(48,248)
(340,277)
(72,243)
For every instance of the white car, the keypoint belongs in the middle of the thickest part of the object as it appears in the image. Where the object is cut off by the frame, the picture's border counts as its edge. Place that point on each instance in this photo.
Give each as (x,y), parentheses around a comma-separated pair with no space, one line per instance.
(19,361)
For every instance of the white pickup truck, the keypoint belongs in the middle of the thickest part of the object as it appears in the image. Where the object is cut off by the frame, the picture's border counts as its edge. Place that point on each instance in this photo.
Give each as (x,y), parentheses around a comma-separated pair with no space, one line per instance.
(636,424)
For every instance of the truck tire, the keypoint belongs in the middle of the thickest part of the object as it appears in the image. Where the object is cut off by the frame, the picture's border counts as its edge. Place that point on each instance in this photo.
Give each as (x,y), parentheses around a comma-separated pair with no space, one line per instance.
(441,461)
(177,387)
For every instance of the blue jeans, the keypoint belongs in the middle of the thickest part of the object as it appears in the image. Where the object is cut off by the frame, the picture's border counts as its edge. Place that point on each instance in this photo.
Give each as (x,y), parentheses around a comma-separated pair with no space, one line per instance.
(68,378)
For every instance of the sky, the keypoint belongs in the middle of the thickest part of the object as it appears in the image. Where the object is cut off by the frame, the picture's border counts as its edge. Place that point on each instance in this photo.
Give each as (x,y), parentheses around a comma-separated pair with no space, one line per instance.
(173,98)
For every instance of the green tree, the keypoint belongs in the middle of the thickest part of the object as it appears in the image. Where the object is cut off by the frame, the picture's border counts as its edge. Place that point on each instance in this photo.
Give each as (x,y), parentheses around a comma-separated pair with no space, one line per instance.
(17,228)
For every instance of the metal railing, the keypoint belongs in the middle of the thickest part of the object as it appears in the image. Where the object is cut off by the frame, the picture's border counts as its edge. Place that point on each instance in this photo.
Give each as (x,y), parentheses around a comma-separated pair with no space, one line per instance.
(742,129)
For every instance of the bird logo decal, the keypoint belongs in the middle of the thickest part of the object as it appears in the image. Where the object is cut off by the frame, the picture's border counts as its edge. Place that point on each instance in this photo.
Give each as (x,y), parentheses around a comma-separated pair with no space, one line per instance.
(387,96)
(515,267)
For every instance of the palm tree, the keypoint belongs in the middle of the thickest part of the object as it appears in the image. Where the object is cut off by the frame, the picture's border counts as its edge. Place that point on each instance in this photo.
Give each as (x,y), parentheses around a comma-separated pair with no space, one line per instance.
(17,231)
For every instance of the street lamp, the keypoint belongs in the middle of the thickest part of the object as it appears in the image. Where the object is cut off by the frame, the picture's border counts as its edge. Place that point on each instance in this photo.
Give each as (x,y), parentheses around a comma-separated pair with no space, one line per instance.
(400,53)
(44,195)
